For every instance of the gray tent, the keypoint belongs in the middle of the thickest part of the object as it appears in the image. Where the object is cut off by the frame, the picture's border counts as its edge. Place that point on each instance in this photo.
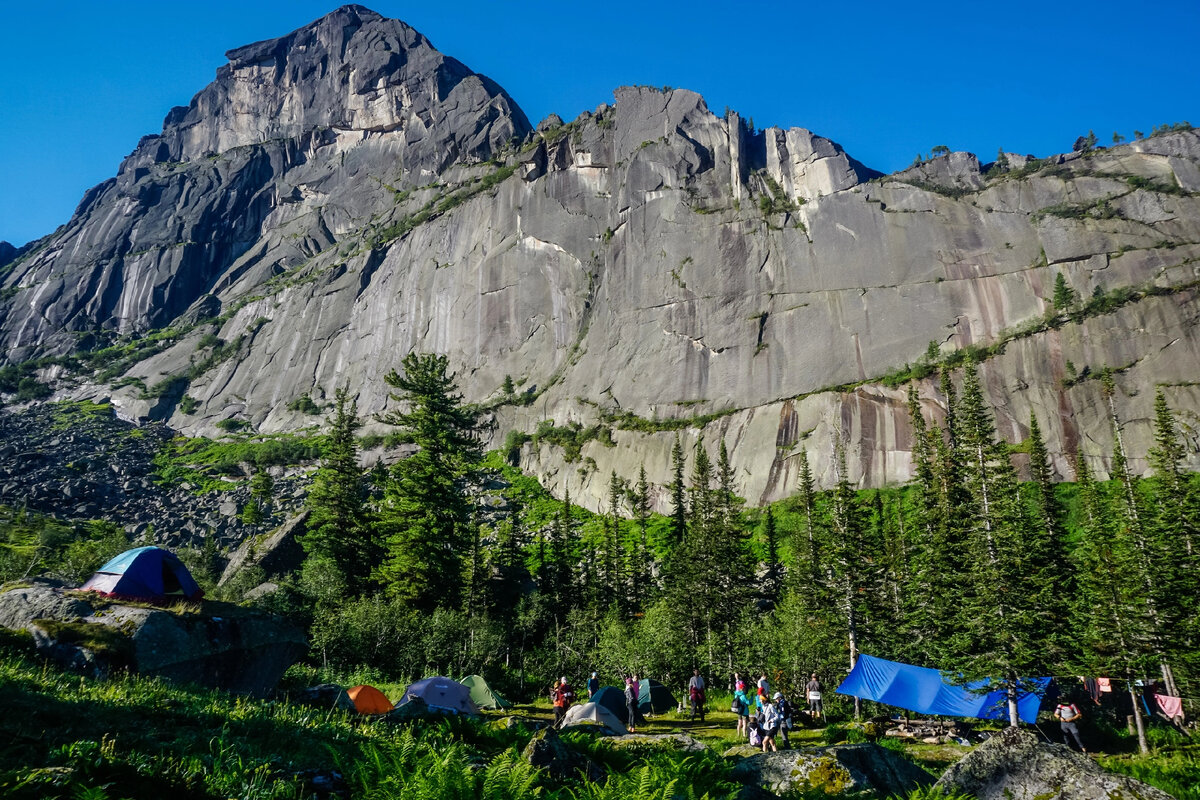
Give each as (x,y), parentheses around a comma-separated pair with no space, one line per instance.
(593,712)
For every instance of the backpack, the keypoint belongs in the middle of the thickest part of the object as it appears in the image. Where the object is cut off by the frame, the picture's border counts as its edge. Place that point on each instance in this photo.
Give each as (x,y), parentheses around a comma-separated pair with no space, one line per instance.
(755,736)
(736,706)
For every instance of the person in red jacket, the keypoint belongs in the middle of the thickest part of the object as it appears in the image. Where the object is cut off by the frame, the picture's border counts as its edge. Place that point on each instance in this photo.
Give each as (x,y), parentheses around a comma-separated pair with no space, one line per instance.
(563,696)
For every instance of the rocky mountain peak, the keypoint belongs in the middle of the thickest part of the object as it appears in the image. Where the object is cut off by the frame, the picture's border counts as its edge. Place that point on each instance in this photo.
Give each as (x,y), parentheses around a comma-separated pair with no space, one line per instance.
(352,72)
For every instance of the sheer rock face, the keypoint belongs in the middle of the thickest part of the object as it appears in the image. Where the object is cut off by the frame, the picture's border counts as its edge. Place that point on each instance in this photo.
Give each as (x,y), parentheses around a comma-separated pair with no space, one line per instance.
(329,200)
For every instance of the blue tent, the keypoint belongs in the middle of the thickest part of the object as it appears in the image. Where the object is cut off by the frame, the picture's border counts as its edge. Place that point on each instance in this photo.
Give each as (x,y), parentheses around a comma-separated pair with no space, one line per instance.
(441,694)
(144,573)
(922,690)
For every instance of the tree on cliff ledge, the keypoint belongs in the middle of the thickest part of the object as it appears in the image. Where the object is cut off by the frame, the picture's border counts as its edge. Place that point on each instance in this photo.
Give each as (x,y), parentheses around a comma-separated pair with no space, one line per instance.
(426,514)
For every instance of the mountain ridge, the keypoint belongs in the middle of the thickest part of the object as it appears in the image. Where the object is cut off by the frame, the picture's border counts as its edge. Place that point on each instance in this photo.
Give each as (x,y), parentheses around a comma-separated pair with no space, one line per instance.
(646,268)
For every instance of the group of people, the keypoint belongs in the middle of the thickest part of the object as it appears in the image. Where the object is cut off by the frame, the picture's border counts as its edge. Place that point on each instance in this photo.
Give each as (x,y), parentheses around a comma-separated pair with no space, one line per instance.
(562,696)
(773,713)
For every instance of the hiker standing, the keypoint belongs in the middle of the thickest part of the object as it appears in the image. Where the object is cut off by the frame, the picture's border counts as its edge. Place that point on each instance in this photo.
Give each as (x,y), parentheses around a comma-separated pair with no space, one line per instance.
(813,688)
(593,686)
(741,707)
(1067,715)
(785,717)
(770,726)
(563,697)
(631,704)
(696,694)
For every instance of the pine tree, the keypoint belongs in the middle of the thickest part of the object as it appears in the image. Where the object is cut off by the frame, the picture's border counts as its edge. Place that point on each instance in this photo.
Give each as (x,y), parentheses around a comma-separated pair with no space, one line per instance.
(640,565)
(1008,632)
(614,579)
(1064,296)
(805,550)
(338,525)
(1174,541)
(677,531)
(850,564)
(931,596)
(558,575)
(1112,623)
(426,515)
(772,583)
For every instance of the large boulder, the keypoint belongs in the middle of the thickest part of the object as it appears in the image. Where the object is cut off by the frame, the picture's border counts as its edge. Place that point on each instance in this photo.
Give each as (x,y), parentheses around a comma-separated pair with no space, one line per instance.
(219,645)
(845,769)
(1017,766)
(276,554)
(546,750)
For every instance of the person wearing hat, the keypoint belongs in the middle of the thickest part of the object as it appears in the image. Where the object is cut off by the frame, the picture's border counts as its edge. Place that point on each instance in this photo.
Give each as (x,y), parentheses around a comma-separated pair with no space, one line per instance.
(563,696)
(785,716)
(770,723)
(593,686)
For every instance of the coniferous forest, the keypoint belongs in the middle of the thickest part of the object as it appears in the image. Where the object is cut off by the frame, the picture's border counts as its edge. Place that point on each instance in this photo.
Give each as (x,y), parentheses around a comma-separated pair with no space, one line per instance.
(968,569)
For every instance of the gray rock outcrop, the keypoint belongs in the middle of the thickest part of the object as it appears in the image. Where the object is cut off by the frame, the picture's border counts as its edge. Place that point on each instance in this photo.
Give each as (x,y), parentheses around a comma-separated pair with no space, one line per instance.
(221,646)
(344,195)
(1017,766)
(549,752)
(842,769)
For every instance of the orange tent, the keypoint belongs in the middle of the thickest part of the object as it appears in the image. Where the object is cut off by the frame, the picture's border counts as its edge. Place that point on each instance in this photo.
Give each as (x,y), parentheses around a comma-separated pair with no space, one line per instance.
(369,700)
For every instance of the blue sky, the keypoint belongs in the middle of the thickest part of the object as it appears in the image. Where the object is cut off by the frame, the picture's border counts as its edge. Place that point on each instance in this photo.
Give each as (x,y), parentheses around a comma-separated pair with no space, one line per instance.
(81,82)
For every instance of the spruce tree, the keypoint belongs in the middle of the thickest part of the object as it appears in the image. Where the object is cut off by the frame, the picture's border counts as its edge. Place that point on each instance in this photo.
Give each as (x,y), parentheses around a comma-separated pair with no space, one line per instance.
(338,526)
(805,549)
(772,582)
(639,553)
(1111,621)
(677,531)
(851,566)
(1007,630)
(426,514)
(936,580)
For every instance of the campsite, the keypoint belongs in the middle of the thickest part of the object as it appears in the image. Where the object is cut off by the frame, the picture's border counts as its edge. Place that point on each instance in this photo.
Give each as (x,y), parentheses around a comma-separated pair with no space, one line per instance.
(374,427)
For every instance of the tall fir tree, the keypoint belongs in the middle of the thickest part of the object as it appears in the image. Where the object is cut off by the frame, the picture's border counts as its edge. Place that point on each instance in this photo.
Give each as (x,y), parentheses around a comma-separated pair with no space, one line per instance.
(851,565)
(773,574)
(806,555)
(640,566)
(1111,620)
(1007,633)
(338,526)
(426,515)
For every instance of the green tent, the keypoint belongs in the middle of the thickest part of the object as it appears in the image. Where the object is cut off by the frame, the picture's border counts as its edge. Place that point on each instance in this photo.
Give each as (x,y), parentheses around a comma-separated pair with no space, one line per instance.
(482,694)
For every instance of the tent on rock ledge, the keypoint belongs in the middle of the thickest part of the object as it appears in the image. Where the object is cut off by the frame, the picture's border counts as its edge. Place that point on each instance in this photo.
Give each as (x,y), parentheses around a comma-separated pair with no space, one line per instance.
(148,574)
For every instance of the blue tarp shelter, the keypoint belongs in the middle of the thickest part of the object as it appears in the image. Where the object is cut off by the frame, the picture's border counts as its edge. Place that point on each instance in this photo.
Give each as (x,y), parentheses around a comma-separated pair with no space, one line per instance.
(144,573)
(922,690)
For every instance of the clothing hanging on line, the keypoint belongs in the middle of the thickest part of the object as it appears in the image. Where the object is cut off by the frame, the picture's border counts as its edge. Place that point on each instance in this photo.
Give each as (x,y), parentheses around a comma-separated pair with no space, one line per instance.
(1171,706)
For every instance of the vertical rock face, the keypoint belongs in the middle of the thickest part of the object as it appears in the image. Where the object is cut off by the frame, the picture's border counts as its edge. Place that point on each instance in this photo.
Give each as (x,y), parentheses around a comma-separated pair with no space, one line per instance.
(345,194)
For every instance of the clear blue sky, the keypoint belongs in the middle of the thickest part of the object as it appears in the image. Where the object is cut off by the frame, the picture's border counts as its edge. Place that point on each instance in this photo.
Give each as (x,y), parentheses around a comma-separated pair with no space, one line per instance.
(81,82)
